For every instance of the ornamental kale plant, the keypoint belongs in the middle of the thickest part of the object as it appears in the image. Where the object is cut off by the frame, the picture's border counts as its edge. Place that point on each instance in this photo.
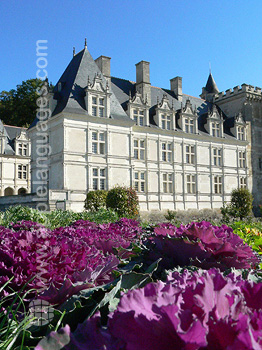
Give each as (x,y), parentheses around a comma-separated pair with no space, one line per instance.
(65,260)
(199,244)
(199,310)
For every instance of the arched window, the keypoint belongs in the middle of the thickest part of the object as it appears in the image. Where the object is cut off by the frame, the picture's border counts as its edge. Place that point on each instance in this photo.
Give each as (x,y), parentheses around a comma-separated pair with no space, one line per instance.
(9,191)
(22,190)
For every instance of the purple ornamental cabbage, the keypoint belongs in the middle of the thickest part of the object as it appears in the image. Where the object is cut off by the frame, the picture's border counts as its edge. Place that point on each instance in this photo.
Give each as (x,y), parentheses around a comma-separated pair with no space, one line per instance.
(191,311)
(62,261)
(199,244)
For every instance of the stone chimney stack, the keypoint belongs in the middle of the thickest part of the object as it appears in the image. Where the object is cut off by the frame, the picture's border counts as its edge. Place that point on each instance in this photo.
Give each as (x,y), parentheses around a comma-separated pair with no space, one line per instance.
(103,64)
(176,87)
(143,85)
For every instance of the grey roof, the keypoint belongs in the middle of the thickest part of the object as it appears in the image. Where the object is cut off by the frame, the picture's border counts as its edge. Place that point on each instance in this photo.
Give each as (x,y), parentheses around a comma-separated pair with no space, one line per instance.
(211,86)
(122,88)
(74,81)
(9,132)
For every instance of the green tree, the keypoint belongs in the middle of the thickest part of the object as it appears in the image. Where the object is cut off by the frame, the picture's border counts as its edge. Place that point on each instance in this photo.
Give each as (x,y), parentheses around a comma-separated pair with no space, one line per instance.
(18,106)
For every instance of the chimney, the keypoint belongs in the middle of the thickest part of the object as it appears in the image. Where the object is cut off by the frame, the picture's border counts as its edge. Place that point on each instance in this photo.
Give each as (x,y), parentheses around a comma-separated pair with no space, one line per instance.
(143,85)
(176,87)
(103,64)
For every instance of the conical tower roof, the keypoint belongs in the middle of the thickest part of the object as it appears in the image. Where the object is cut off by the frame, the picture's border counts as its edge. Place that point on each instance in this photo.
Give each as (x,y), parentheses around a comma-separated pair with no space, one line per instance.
(211,86)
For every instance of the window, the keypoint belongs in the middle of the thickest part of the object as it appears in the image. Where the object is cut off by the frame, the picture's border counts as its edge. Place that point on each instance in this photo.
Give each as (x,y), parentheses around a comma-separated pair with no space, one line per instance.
(260,163)
(242,182)
(218,184)
(166,121)
(22,149)
(138,117)
(215,129)
(139,149)
(217,156)
(241,133)
(168,183)
(98,107)
(139,181)
(191,183)
(98,142)
(99,179)
(166,152)
(22,172)
(190,154)
(189,125)
(242,159)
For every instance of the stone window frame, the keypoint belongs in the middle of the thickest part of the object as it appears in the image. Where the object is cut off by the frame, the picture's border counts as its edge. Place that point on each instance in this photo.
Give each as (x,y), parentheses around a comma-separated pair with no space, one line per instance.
(215,128)
(166,120)
(22,149)
(166,151)
(139,149)
(190,154)
(217,184)
(97,106)
(99,178)
(217,156)
(189,125)
(138,115)
(22,171)
(242,159)
(140,181)
(241,132)
(98,144)
(191,183)
(168,182)
(243,182)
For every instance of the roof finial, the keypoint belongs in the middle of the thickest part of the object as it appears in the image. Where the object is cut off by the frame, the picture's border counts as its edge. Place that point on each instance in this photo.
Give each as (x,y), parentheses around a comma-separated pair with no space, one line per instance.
(74,51)
(85,44)
(209,67)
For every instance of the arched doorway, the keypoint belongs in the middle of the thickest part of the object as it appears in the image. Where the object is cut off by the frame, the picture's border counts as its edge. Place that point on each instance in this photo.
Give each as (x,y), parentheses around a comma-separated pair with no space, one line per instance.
(9,191)
(22,190)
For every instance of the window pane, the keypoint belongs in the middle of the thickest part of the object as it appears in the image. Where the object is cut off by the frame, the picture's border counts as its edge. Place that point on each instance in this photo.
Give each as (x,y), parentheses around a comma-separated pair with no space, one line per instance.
(142,154)
(142,187)
(94,148)
(135,143)
(101,101)
(102,184)
(101,112)
(102,136)
(94,100)
(95,172)
(142,176)
(94,136)
(94,111)
(136,154)
(95,184)
(102,148)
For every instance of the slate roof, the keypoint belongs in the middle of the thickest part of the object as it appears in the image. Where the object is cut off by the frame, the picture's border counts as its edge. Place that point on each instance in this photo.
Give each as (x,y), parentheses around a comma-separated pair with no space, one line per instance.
(9,133)
(70,93)
(211,86)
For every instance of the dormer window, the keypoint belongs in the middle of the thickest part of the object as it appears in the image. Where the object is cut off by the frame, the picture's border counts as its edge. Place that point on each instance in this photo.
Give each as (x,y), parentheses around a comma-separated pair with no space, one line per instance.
(187,119)
(241,133)
(215,129)
(165,114)
(98,98)
(166,121)
(98,107)
(22,149)
(139,117)
(215,123)
(239,128)
(189,125)
(138,109)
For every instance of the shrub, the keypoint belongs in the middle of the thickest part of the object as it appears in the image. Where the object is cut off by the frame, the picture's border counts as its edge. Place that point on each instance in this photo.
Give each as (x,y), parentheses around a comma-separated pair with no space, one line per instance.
(124,201)
(241,202)
(95,200)
(240,205)
(19,212)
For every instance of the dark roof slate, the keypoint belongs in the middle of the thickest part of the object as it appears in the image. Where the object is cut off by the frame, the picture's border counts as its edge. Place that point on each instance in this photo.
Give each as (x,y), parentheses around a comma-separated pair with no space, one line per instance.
(211,86)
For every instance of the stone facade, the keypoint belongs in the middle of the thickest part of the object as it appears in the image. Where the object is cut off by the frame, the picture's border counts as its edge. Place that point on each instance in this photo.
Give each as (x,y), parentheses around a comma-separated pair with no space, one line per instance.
(15,151)
(177,151)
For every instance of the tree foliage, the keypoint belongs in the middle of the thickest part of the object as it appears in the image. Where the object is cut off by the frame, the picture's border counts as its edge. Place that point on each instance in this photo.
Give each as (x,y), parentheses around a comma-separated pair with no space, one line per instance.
(18,106)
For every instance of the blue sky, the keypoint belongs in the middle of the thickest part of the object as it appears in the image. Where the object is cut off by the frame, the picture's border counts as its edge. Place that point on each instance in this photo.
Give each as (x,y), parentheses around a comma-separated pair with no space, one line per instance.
(177,37)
